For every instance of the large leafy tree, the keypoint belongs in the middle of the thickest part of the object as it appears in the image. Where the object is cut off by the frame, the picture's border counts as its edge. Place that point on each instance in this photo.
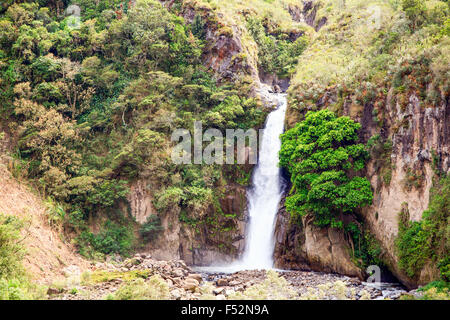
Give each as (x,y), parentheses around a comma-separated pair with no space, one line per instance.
(324,159)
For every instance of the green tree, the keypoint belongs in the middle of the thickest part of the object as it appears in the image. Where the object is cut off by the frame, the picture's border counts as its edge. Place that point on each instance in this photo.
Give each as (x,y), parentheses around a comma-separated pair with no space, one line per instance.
(11,251)
(324,160)
(415,11)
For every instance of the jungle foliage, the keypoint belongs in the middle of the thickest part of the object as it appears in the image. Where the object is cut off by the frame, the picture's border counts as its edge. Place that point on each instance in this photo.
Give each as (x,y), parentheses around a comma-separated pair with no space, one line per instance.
(92,108)
(323,158)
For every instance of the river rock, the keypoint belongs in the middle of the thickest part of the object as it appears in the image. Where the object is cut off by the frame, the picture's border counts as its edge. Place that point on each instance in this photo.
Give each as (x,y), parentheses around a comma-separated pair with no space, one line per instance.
(195,276)
(176,294)
(218,291)
(190,284)
(222,282)
(229,292)
(178,273)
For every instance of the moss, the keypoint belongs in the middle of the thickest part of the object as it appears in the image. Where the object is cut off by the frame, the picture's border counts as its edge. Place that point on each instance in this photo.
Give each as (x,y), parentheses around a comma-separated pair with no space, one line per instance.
(380,153)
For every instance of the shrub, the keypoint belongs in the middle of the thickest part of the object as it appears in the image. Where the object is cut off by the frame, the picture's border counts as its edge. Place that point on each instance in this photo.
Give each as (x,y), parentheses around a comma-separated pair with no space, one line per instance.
(153,289)
(112,238)
(11,251)
(276,54)
(21,289)
(14,282)
(150,229)
(415,11)
(322,157)
(427,240)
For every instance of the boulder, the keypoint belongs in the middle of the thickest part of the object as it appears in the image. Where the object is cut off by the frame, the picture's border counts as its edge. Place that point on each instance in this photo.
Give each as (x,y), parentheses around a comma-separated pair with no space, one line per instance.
(195,276)
(190,284)
(178,273)
(176,294)
(222,282)
(218,291)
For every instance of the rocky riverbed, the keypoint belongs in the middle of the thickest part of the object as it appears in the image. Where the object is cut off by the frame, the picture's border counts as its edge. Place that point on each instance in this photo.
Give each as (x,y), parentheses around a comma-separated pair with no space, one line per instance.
(184,283)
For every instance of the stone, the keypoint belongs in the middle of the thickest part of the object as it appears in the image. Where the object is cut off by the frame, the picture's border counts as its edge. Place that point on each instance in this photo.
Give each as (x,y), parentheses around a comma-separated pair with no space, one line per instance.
(195,276)
(53,291)
(222,282)
(220,297)
(176,294)
(229,292)
(178,273)
(234,283)
(218,291)
(190,285)
(72,271)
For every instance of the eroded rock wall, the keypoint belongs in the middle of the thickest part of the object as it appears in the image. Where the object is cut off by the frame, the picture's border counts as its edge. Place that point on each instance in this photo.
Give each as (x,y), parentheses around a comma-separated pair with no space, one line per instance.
(230,59)
(300,245)
(419,136)
(424,132)
(201,244)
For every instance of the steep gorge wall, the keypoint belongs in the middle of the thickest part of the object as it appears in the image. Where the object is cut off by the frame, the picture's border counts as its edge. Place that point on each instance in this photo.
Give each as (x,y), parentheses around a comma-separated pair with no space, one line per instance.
(406,106)
(299,245)
(424,132)
(417,133)
(231,59)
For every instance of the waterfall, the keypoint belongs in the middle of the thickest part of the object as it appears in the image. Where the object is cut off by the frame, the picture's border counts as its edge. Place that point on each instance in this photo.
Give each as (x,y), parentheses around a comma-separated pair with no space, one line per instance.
(265,194)
(264,197)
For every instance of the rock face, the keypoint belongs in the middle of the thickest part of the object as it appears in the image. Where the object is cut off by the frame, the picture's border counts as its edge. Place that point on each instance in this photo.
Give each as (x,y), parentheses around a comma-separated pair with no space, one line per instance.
(200,246)
(140,201)
(303,246)
(225,53)
(423,131)
(307,14)
(416,133)
(230,60)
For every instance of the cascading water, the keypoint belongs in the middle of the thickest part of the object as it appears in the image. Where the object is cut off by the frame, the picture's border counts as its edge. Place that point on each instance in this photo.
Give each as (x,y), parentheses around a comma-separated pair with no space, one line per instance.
(263,198)
(266,193)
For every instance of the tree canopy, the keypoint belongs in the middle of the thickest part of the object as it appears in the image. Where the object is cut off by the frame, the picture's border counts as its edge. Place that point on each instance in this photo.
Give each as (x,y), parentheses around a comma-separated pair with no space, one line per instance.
(323,157)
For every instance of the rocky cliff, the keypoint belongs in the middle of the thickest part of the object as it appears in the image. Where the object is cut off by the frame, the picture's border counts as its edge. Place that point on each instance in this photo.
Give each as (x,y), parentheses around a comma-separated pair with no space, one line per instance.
(403,111)
(299,245)
(416,133)
(423,132)
(231,59)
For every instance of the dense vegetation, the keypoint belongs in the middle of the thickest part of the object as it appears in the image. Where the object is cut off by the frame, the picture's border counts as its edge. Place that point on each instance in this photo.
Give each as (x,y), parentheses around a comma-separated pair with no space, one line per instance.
(376,55)
(14,282)
(92,109)
(322,156)
(89,109)
(368,50)
(277,54)
(428,240)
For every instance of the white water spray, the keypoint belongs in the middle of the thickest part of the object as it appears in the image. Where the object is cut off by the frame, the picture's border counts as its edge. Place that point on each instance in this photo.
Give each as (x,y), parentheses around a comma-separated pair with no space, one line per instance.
(266,194)
(263,198)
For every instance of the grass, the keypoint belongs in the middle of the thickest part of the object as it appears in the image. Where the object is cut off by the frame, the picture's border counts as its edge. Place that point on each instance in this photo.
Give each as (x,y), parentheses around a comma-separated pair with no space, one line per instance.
(89,278)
